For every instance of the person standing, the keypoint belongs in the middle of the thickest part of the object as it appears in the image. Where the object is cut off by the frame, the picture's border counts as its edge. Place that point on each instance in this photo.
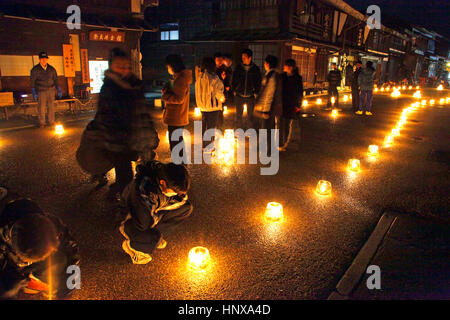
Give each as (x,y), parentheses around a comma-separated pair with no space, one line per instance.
(44,81)
(334,80)
(268,106)
(209,95)
(365,81)
(355,86)
(121,130)
(292,100)
(246,84)
(176,98)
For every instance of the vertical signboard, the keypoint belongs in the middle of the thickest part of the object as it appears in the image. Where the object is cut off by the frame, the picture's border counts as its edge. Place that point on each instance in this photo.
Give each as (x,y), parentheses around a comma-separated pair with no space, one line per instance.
(85,66)
(69,61)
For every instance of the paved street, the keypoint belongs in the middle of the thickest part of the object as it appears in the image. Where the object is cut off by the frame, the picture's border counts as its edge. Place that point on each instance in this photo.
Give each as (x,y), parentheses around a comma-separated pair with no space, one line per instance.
(302,258)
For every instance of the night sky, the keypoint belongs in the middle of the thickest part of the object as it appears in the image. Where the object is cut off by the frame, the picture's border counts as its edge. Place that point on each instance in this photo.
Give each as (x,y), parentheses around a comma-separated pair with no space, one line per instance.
(431,14)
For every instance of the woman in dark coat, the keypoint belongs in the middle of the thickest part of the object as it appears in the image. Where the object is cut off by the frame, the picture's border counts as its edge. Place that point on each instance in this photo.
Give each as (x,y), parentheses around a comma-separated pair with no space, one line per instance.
(122,129)
(292,101)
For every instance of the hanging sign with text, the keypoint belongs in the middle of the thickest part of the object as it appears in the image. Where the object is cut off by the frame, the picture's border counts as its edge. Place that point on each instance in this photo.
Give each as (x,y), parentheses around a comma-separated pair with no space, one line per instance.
(109,36)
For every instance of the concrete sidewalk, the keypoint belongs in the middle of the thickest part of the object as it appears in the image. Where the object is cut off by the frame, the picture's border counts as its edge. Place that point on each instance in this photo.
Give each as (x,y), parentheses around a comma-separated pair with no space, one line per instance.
(413,255)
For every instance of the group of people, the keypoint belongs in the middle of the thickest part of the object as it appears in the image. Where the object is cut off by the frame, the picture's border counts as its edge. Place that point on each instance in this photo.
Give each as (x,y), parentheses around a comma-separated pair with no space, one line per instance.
(362,84)
(271,101)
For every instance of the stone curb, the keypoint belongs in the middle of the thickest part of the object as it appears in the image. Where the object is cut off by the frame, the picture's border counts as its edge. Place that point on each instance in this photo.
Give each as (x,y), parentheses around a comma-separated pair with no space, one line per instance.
(357,269)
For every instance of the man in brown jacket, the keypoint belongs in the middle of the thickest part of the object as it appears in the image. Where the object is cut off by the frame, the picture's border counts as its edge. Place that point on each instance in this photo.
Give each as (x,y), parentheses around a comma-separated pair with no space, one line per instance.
(175,94)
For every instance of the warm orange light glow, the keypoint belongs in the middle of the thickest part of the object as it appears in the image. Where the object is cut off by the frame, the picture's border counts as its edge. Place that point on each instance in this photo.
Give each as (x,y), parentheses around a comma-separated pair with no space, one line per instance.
(388,141)
(167,134)
(354,165)
(333,100)
(334,113)
(323,188)
(417,95)
(373,150)
(376,90)
(245,108)
(441,101)
(305,103)
(388,88)
(395,93)
(345,98)
(417,87)
(382,89)
(440,87)
(199,259)
(274,211)
(432,101)
(396,131)
(410,87)
(197,111)
(59,129)
(225,110)
(319,101)
(404,88)
(423,102)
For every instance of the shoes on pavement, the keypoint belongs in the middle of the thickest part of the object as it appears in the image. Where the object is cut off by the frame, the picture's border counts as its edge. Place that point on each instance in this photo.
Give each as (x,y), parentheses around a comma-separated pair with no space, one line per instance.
(368,113)
(137,257)
(161,244)
(359,112)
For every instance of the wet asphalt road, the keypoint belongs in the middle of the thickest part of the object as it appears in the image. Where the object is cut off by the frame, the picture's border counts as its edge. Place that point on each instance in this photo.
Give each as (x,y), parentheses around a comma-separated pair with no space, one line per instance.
(301,258)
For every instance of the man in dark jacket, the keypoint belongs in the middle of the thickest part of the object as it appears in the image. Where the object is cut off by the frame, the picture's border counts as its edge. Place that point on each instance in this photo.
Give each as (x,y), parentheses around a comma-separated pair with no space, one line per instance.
(334,80)
(44,81)
(33,247)
(355,86)
(122,129)
(246,84)
(154,202)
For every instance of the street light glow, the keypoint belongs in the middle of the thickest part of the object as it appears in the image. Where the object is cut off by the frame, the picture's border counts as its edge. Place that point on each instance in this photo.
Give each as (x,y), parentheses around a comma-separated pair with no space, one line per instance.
(199,259)
(274,211)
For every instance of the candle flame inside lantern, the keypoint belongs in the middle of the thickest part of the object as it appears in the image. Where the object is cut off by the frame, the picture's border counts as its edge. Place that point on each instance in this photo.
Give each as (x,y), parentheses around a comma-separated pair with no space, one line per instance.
(305,103)
(404,87)
(440,87)
(441,101)
(432,101)
(396,131)
(225,110)
(424,102)
(199,259)
(323,188)
(59,129)
(417,95)
(333,100)
(197,111)
(345,98)
(376,89)
(354,165)
(319,101)
(417,87)
(382,89)
(373,150)
(410,87)
(245,108)
(274,211)
(334,113)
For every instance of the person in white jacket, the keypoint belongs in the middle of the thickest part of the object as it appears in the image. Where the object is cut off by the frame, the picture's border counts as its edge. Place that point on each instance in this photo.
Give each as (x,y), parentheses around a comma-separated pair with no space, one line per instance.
(208,94)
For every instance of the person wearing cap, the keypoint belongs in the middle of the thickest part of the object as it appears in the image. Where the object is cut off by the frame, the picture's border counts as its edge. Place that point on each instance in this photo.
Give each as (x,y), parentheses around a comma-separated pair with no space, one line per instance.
(44,81)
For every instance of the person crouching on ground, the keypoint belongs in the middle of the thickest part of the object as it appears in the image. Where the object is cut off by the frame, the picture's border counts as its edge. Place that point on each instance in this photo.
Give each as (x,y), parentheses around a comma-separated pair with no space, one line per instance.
(292,101)
(122,129)
(209,95)
(34,248)
(155,202)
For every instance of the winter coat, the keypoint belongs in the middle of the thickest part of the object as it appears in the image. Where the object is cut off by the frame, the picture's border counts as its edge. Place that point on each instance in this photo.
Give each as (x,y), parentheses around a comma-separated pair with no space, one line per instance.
(270,97)
(365,79)
(292,94)
(143,198)
(209,92)
(176,98)
(334,78)
(355,79)
(43,80)
(246,80)
(13,271)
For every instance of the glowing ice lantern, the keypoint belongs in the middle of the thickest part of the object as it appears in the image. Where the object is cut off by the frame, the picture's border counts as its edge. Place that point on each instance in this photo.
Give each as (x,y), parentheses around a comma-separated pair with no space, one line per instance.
(345,98)
(333,100)
(432,102)
(373,150)
(417,95)
(323,188)
(388,88)
(423,102)
(199,258)
(382,90)
(334,113)
(410,87)
(396,131)
(441,101)
(245,108)
(440,87)
(59,129)
(404,88)
(197,112)
(354,165)
(274,211)
(319,101)
(417,87)
(225,110)
(376,90)
(305,103)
